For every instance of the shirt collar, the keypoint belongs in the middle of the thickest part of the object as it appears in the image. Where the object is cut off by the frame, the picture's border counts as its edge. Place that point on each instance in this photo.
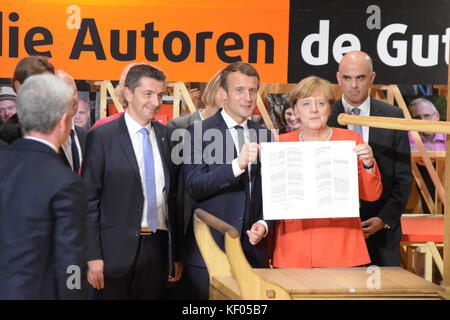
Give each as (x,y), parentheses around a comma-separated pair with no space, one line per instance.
(230,122)
(364,107)
(133,126)
(42,141)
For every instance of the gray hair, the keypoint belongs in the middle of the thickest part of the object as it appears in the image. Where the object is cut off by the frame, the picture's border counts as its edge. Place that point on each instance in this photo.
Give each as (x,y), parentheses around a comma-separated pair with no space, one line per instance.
(41,102)
(422,100)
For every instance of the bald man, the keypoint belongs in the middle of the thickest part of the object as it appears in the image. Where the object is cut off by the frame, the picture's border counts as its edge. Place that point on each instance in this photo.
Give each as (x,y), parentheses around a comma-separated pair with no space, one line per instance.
(72,150)
(380,219)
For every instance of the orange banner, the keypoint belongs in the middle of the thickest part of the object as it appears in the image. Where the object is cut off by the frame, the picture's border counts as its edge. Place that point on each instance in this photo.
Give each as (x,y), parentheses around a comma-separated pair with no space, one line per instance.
(189,39)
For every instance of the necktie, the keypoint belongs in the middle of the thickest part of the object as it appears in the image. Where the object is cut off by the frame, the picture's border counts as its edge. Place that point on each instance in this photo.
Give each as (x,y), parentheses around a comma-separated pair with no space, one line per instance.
(150,185)
(240,135)
(357,127)
(75,155)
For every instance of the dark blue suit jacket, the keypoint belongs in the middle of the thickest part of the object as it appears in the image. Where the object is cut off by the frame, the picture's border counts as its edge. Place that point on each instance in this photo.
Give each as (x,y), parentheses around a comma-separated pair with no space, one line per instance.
(43,210)
(392,152)
(213,187)
(116,198)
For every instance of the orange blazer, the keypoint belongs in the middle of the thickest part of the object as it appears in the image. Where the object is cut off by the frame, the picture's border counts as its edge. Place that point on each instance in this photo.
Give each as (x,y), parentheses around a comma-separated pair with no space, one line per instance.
(332,242)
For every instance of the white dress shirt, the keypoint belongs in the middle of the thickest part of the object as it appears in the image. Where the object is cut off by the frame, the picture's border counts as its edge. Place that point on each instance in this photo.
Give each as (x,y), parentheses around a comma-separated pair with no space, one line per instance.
(365,111)
(230,125)
(136,140)
(230,122)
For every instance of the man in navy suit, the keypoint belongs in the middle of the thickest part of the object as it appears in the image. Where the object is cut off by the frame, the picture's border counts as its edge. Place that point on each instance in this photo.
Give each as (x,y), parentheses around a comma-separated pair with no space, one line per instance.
(227,182)
(43,204)
(380,219)
(129,258)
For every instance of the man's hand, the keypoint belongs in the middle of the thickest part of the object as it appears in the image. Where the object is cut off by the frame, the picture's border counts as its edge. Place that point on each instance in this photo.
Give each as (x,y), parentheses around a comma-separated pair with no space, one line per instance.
(372,225)
(95,274)
(178,272)
(365,154)
(256,233)
(249,153)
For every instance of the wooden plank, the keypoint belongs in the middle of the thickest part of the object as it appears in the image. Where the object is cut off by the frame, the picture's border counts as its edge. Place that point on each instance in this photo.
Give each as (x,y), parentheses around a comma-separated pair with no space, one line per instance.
(112,93)
(348,281)
(446,278)
(265,115)
(186,96)
(102,101)
(176,101)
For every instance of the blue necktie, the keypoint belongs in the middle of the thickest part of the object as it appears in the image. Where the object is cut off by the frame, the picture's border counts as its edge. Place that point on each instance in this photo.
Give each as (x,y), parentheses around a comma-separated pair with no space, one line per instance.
(150,184)
(357,127)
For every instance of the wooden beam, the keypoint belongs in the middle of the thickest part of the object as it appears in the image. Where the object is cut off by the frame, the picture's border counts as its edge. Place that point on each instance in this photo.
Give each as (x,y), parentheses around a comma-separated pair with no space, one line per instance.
(395,91)
(446,277)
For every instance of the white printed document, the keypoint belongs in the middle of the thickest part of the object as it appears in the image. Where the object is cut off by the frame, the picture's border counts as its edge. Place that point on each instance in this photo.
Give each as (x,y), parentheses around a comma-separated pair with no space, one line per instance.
(312,179)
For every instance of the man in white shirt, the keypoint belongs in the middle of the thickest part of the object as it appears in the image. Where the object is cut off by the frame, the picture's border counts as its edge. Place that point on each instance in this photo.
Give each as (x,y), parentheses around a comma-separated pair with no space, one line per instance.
(71,151)
(380,219)
(227,182)
(134,233)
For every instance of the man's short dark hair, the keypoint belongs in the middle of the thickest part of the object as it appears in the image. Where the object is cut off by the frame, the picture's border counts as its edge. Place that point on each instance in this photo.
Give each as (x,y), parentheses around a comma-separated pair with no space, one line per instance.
(242,67)
(30,66)
(139,71)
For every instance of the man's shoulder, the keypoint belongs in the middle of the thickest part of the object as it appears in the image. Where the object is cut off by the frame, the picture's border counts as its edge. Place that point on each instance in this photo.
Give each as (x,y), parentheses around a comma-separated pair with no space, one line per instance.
(385,109)
(107,127)
(183,121)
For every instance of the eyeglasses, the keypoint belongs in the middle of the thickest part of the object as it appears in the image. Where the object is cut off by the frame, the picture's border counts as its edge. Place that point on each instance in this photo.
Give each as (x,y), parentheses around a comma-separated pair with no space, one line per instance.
(424,116)
(10,109)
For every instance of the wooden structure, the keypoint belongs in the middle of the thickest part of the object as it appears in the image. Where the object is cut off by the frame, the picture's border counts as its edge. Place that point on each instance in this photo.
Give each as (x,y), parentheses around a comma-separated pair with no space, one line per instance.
(416,125)
(422,233)
(231,276)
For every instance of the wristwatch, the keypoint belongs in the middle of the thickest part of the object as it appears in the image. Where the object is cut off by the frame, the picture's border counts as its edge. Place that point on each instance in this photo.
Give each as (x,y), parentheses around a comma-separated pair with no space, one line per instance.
(369,167)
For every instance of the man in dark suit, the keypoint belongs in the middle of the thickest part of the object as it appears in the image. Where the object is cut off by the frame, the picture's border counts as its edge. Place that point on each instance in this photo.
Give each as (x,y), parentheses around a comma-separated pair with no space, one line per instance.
(72,150)
(133,229)
(43,205)
(380,219)
(227,182)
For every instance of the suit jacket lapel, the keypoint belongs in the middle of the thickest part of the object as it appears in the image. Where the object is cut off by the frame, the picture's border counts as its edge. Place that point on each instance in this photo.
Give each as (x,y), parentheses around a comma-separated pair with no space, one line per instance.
(164,151)
(125,142)
(375,133)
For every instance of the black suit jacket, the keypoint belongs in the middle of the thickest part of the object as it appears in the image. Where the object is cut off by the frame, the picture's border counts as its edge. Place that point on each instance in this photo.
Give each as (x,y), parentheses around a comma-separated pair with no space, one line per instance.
(82,136)
(116,198)
(213,187)
(43,212)
(392,151)
(3,145)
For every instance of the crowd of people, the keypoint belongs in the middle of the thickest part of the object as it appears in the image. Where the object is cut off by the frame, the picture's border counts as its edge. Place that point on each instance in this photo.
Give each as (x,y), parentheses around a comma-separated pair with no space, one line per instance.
(111,202)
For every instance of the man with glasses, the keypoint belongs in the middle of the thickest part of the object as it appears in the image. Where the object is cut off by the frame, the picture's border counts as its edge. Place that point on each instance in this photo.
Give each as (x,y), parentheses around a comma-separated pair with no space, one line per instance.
(423,109)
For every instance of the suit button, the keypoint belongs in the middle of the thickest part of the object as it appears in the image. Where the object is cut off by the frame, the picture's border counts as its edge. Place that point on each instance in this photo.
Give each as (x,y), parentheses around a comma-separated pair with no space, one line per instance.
(241,219)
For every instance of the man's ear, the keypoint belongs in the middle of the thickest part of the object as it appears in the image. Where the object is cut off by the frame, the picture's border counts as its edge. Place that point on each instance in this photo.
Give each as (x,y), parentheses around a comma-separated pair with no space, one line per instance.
(372,77)
(223,94)
(438,117)
(16,85)
(64,126)
(127,94)
(338,78)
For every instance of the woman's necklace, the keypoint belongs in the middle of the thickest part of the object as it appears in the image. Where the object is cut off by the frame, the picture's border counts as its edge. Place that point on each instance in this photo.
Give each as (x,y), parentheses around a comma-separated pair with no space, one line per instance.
(327,138)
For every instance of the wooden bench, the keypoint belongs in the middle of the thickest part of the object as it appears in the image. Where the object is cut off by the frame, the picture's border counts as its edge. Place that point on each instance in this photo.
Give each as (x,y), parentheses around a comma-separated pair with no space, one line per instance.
(232,277)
